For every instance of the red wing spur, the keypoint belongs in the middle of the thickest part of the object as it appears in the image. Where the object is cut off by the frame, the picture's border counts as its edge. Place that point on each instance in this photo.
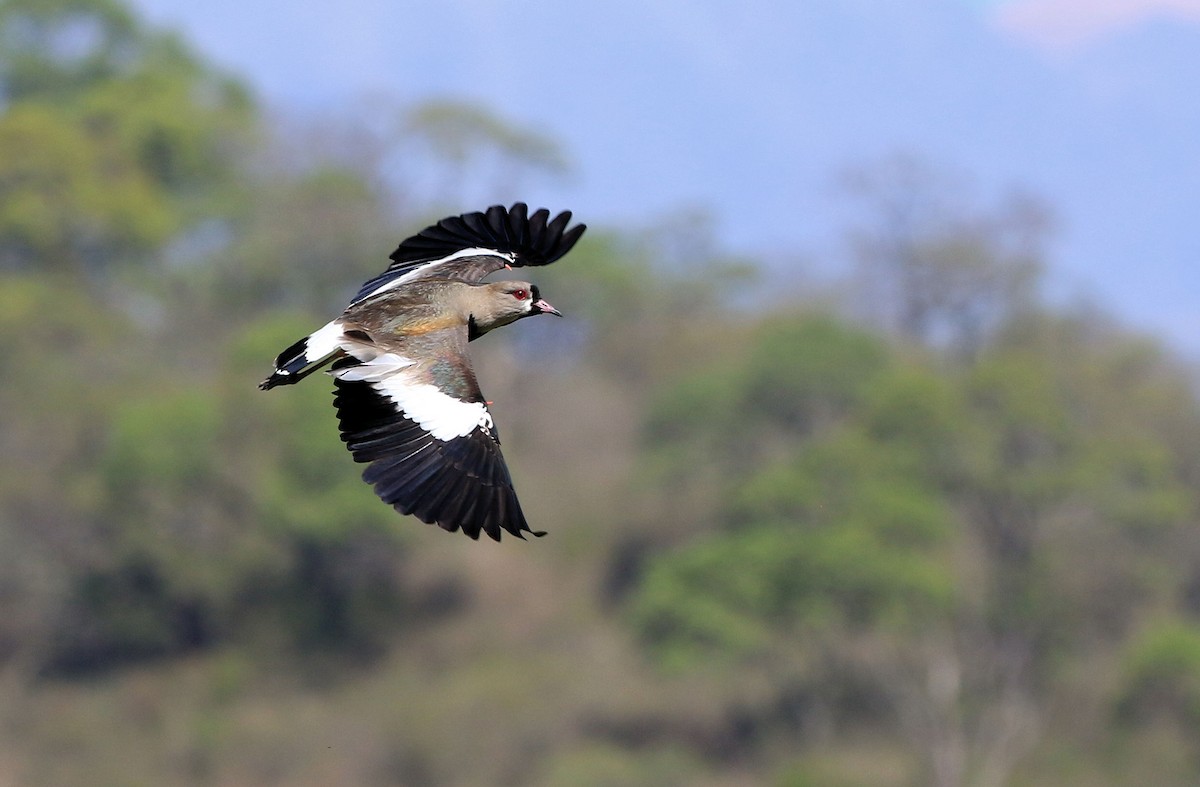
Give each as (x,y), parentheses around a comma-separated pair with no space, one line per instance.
(406,396)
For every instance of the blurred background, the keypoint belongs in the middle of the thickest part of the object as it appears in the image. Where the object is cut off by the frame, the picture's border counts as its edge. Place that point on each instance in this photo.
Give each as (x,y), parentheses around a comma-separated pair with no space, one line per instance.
(869,450)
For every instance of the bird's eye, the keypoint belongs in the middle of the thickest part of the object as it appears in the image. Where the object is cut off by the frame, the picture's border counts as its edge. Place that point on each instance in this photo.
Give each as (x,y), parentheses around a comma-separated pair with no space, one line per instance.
(520,295)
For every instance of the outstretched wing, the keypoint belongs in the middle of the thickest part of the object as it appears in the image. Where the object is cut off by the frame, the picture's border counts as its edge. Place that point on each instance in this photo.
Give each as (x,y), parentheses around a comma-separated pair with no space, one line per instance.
(430,441)
(470,246)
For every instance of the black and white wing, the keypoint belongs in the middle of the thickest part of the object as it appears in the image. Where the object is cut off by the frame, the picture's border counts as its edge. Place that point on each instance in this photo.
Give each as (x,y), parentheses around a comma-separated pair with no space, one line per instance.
(430,441)
(470,246)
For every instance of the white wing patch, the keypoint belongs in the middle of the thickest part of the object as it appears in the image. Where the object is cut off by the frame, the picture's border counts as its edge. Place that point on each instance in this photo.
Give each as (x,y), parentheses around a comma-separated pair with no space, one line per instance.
(507,256)
(438,413)
(441,415)
(324,340)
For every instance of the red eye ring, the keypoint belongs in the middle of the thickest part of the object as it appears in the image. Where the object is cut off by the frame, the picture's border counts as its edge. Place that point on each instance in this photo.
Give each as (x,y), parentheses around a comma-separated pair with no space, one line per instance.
(520,295)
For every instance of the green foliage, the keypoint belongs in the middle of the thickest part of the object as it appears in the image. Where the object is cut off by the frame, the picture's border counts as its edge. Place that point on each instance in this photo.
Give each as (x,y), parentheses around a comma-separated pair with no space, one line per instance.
(160,450)
(221,508)
(797,377)
(297,240)
(48,448)
(847,476)
(801,375)
(882,514)
(66,194)
(842,537)
(771,588)
(919,414)
(58,48)
(1161,675)
(110,138)
(304,484)
(834,527)
(642,316)
(175,123)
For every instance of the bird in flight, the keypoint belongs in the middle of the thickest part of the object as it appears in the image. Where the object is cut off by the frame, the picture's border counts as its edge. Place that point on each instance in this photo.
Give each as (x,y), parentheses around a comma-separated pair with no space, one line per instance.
(406,397)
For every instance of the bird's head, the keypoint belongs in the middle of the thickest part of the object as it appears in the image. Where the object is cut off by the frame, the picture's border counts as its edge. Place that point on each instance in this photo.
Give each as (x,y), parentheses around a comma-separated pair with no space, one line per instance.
(503,302)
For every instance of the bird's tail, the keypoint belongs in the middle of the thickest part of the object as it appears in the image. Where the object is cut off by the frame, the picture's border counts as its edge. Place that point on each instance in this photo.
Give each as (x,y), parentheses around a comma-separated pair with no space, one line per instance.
(306,356)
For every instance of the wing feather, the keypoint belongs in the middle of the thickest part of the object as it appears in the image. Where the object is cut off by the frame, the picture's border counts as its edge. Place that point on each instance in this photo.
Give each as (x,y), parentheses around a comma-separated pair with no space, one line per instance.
(470,246)
(456,481)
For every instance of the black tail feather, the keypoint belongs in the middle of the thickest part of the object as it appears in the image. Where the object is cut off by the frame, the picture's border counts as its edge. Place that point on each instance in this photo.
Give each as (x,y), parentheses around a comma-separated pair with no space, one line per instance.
(293,365)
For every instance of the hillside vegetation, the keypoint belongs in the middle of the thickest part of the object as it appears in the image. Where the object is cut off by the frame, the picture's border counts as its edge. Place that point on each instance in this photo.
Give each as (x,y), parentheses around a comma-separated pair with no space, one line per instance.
(916,527)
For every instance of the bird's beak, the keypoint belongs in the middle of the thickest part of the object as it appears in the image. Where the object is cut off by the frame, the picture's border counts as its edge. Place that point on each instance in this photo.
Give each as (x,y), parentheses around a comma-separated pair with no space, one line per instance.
(540,306)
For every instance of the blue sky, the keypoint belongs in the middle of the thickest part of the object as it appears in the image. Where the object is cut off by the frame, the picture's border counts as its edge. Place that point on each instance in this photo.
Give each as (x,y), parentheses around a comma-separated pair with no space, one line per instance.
(753,113)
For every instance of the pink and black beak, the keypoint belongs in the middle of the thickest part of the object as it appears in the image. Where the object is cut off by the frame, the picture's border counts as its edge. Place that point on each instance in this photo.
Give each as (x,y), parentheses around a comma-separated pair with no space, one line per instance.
(542,306)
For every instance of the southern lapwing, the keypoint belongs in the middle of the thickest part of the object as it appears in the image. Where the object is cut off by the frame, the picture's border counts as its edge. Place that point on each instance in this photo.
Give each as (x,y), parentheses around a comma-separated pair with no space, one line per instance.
(406,396)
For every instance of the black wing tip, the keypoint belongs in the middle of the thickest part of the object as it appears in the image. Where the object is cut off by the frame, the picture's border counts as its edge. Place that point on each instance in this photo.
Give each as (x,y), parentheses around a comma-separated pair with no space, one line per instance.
(533,239)
(473,531)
